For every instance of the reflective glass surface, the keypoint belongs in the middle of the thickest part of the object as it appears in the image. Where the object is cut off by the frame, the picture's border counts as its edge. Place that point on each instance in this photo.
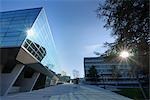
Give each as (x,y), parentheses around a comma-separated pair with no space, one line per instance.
(14,24)
(35,49)
(40,33)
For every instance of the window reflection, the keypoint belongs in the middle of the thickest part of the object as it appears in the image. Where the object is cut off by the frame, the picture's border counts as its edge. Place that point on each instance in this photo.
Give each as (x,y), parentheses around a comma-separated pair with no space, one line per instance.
(36,50)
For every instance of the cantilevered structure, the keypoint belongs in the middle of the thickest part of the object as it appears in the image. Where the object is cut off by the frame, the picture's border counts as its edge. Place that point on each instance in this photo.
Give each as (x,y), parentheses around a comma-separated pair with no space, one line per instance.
(26,49)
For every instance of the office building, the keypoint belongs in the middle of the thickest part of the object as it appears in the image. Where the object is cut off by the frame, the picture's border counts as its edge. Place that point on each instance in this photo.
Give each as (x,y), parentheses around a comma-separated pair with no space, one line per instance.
(27,49)
(110,73)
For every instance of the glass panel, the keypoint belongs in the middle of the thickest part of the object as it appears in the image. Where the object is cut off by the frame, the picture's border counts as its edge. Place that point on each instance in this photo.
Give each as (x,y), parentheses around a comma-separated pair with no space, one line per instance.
(16,23)
(2,34)
(10,39)
(33,46)
(26,45)
(19,18)
(5,19)
(29,49)
(42,36)
(9,44)
(13,34)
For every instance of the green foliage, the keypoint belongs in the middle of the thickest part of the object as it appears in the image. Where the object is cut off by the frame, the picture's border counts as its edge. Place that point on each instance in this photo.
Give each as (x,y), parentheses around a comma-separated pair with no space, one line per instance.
(129,21)
(93,73)
(133,93)
(115,72)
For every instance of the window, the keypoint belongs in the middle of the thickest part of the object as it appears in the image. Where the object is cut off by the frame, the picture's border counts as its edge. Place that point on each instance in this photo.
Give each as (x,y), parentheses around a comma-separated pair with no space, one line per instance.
(10,38)
(33,46)
(9,44)
(2,34)
(25,45)
(28,41)
(29,49)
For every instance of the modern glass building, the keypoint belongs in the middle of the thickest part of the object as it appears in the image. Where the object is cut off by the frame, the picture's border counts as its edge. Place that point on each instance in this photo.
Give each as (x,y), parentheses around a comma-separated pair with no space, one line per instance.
(27,50)
(110,73)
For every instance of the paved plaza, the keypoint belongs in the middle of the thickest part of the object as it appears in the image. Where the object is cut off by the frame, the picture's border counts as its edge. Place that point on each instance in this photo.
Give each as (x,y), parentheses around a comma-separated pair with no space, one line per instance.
(67,92)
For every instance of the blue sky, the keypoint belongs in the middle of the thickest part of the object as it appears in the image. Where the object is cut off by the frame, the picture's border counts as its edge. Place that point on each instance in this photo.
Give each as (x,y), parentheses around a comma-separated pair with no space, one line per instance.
(77,31)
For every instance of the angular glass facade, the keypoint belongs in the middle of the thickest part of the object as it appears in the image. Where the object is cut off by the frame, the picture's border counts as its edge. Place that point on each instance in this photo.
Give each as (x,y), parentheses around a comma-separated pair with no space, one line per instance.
(41,34)
(13,26)
(30,30)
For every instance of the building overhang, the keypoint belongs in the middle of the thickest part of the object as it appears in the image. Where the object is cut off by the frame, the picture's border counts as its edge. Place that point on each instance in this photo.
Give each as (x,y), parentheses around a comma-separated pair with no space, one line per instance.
(42,69)
(25,57)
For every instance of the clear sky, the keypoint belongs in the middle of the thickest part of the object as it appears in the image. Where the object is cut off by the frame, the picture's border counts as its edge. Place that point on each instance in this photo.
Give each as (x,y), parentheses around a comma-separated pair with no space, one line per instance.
(77,31)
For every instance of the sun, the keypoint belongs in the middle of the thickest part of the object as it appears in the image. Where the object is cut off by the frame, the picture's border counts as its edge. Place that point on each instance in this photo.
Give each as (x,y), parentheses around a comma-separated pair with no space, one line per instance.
(30,32)
(124,54)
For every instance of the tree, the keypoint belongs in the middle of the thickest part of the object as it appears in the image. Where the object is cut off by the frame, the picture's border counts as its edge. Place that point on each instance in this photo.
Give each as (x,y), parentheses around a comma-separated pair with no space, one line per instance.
(75,74)
(129,21)
(115,73)
(93,74)
(63,73)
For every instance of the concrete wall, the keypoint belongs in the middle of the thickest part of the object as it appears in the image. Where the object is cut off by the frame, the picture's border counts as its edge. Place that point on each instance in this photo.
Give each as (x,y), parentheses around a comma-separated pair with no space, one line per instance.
(27,84)
(12,72)
(15,80)
(8,79)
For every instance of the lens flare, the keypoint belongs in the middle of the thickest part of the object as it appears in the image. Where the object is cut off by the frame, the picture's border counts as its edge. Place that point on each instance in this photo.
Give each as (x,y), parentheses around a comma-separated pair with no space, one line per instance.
(124,54)
(30,32)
